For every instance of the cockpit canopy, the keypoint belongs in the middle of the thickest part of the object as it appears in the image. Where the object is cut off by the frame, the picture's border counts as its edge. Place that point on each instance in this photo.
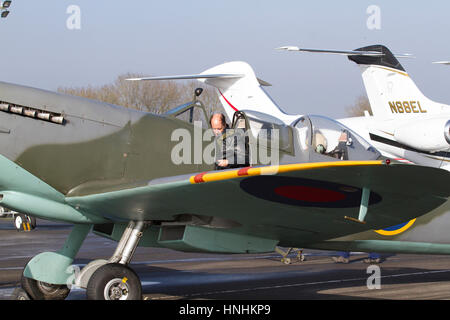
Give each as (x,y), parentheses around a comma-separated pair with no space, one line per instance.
(263,127)
(328,137)
(318,136)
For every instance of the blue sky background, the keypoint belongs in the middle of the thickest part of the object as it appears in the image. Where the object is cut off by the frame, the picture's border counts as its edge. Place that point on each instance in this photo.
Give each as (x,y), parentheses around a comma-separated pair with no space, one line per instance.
(181,37)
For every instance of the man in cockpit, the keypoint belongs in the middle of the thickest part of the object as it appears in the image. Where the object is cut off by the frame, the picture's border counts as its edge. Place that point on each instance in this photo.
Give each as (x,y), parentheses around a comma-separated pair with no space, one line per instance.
(340,152)
(231,146)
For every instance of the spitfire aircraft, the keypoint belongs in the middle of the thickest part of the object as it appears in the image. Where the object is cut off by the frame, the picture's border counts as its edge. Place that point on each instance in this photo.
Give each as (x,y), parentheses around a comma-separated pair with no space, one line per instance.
(135,178)
(406,125)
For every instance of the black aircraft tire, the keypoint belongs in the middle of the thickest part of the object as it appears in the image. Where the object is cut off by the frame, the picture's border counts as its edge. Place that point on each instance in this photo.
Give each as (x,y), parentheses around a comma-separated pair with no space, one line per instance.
(38,290)
(114,281)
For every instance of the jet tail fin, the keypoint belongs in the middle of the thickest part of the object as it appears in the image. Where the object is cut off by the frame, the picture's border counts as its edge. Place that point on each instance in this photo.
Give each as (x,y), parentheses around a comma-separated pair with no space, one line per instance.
(391,91)
(238,88)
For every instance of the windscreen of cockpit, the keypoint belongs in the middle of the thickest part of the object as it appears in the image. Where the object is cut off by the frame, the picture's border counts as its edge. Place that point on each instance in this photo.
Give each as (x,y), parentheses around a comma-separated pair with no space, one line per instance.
(267,130)
(328,137)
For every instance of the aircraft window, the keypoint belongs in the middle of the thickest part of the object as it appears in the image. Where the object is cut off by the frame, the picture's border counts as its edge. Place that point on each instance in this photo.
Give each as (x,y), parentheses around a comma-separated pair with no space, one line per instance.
(266,131)
(303,127)
(333,139)
(239,121)
(240,124)
(263,117)
(255,127)
(195,115)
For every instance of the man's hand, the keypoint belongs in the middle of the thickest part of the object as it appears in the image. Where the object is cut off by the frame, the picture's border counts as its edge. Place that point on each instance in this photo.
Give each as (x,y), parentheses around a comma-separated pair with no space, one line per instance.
(343,137)
(222,163)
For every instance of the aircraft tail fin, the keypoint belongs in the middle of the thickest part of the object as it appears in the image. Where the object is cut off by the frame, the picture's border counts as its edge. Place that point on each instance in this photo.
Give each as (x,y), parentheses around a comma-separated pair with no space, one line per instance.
(237,86)
(391,91)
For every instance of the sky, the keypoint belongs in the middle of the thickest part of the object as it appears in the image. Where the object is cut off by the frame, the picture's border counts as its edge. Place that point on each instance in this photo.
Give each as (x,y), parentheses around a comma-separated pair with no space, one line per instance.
(113,37)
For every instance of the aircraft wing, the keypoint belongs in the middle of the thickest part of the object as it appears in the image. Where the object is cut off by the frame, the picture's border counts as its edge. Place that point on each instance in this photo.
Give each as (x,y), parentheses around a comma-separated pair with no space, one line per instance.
(190,77)
(201,77)
(442,62)
(357,52)
(316,201)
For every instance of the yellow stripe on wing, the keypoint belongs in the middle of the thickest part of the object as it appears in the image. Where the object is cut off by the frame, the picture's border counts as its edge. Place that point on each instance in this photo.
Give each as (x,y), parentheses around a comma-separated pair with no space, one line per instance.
(269,170)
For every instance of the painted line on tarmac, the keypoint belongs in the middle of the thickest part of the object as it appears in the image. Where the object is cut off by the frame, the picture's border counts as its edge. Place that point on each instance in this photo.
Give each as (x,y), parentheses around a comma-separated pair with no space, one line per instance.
(16,257)
(11,268)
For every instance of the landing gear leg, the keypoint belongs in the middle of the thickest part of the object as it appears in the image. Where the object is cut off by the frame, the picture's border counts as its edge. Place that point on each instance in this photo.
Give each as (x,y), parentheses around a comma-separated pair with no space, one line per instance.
(114,280)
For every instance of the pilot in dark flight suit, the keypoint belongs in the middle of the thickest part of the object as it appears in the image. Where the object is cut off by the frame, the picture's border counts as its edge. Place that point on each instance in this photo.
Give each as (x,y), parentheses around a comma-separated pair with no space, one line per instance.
(341,150)
(231,145)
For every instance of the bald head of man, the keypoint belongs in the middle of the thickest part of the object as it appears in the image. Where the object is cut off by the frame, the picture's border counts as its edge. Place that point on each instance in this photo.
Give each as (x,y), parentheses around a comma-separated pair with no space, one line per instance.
(218,123)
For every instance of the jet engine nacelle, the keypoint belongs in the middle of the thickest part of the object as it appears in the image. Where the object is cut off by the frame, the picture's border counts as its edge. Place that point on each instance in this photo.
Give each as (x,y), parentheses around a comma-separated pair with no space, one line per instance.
(428,135)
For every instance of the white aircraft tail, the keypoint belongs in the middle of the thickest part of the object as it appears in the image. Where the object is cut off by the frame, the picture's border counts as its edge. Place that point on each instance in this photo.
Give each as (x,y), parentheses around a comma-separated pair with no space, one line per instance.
(237,86)
(391,91)
(243,93)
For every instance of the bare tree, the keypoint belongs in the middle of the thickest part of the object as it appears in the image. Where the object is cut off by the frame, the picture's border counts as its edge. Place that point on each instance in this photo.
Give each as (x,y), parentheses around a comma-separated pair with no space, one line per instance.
(357,109)
(151,96)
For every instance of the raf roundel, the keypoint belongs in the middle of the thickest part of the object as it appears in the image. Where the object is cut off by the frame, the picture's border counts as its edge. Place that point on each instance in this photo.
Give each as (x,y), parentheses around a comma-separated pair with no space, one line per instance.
(305,192)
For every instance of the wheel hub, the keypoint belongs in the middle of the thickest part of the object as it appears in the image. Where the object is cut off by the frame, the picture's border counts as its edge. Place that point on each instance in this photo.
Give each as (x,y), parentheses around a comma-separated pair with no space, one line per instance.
(116,289)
